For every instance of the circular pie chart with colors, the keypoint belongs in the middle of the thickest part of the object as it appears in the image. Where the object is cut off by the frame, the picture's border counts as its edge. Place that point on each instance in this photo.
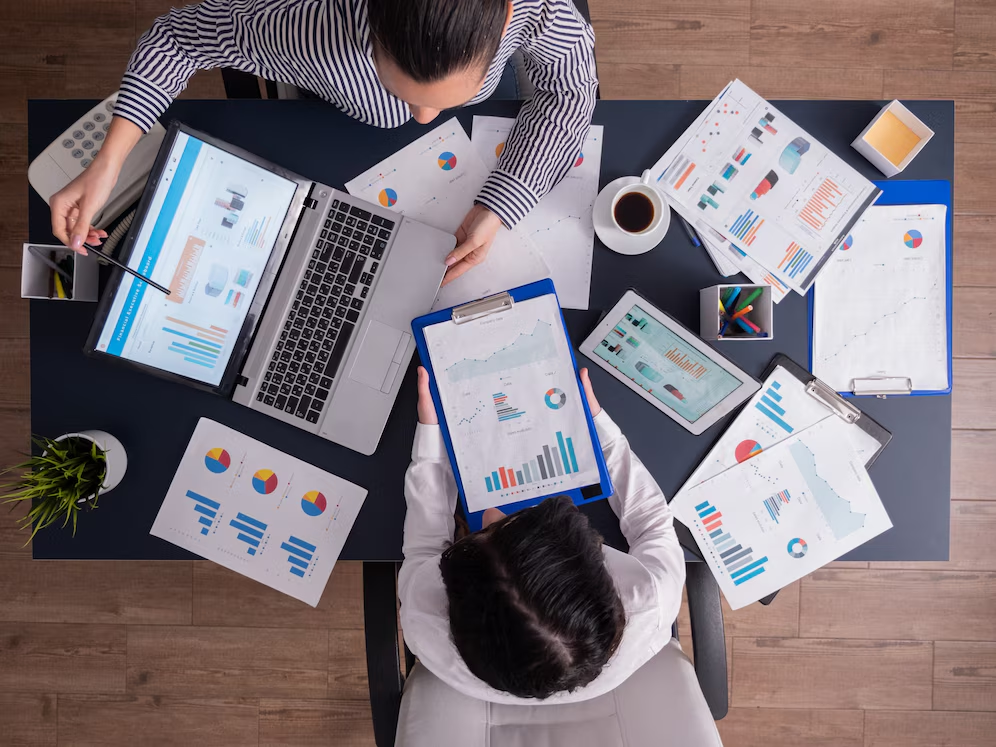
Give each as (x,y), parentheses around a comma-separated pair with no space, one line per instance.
(555,399)
(579,161)
(913,238)
(847,243)
(264,481)
(313,503)
(747,449)
(387,197)
(217,460)
(797,547)
(447,161)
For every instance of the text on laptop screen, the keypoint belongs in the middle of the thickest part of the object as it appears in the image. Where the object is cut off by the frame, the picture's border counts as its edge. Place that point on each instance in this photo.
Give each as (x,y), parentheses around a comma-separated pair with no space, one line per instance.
(208,234)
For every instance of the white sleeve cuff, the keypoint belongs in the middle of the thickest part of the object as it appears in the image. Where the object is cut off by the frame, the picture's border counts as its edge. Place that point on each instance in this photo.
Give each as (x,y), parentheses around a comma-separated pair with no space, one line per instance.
(606,428)
(428,444)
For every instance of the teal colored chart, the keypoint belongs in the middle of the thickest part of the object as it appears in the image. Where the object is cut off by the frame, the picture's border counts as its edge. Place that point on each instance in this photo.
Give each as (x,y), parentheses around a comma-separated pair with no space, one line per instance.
(836,510)
(532,348)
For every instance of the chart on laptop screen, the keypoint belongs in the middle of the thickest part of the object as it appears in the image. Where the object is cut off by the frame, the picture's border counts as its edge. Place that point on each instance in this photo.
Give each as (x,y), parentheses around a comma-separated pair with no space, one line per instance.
(208,235)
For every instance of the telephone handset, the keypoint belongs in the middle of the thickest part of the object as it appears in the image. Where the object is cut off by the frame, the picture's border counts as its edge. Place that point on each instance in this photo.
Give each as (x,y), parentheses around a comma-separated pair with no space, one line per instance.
(74,150)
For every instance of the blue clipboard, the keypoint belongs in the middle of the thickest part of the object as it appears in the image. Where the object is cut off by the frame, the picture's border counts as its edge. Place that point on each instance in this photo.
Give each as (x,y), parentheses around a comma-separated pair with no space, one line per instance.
(505,303)
(913,192)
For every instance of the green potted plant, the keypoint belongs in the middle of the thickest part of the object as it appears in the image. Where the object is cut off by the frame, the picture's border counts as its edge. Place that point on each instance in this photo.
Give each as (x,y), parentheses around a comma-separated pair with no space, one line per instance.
(67,477)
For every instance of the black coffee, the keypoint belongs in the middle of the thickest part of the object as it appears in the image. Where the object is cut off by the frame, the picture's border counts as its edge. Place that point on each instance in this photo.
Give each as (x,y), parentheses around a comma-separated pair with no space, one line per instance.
(634,212)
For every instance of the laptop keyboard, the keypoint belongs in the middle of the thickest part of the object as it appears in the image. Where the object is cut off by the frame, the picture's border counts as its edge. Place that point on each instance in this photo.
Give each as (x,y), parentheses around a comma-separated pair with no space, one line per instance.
(313,341)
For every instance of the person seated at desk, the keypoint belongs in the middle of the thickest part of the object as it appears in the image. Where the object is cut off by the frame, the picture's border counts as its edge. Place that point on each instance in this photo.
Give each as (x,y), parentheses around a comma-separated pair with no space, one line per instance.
(534,606)
(382,62)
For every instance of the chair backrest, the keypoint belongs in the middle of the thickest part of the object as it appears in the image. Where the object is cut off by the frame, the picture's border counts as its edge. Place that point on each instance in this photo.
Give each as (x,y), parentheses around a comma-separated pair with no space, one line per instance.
(660,705)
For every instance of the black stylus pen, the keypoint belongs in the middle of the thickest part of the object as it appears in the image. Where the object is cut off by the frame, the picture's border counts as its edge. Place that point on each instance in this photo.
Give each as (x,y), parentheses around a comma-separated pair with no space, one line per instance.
(126,268)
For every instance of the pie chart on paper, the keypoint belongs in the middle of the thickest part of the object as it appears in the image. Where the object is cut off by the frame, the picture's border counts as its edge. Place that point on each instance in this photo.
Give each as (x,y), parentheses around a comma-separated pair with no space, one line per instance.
(387,197)
(747,449)
(913,238)
(264,481)
(313,503)
(579,160)
(217,460)
(447,161)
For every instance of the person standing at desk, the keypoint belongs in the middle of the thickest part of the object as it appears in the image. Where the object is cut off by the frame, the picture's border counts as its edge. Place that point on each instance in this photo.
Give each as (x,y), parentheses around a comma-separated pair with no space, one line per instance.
(382,62)
(533,606)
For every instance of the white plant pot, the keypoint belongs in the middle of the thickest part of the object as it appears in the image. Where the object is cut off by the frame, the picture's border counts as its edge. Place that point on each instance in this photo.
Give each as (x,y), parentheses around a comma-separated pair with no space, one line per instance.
(117,458)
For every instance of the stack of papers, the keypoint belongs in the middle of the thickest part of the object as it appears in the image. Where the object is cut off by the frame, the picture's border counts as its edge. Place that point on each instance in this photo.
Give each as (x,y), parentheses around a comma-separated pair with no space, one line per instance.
(782,493)
(435,180)
(561,224)
(764,194)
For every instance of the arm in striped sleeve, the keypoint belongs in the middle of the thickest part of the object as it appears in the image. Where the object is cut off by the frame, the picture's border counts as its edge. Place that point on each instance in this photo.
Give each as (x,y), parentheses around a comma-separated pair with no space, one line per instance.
(179,44)
(552,125)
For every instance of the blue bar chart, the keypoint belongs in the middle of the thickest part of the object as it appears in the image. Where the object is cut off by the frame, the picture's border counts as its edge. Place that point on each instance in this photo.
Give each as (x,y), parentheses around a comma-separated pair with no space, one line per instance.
(250,530)
(773,504)
(300,554)
(553,460)
(503,409)
(769,406)
(207,509)
(738,560)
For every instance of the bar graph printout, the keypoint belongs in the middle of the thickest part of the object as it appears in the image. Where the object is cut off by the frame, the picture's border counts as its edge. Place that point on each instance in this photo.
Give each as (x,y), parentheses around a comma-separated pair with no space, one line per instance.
(767,186)
(510,396)
(784,512)
(258,511)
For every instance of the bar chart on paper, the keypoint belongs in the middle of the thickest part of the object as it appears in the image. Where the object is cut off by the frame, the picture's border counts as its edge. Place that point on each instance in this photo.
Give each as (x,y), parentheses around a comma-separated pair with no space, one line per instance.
(300,555)
(250,531)
(552,460)
(729,555)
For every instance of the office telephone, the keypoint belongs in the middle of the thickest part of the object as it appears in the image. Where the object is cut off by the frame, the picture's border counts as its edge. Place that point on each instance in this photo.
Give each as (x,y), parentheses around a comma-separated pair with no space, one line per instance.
(74,151)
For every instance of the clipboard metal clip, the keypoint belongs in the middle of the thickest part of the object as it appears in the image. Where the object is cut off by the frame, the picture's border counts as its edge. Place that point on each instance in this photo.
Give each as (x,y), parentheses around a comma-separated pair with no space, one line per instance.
(482,307)
(882,386)
(829,398)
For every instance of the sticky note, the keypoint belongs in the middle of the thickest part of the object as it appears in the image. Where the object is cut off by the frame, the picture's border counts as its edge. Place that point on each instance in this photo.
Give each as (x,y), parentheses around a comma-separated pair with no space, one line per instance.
(892,138)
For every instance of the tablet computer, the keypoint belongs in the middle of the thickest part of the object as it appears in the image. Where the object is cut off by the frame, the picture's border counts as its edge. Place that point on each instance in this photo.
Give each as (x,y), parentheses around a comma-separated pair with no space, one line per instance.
(667,364)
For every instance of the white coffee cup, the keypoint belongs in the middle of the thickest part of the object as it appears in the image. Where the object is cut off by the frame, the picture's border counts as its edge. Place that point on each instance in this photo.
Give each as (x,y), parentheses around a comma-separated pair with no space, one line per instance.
(661,211)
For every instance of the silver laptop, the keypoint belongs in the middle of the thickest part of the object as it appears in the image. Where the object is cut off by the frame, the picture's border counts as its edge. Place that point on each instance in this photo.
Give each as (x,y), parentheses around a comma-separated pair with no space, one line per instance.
(286,295)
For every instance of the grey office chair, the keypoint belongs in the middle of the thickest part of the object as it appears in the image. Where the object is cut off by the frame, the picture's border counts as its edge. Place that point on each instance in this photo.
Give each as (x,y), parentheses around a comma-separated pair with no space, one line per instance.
(665,703)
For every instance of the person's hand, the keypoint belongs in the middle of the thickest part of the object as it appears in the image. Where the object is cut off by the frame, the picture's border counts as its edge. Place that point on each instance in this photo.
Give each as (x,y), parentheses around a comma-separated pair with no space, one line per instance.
(589,394)
(74,206)
(426,408)
(474,238)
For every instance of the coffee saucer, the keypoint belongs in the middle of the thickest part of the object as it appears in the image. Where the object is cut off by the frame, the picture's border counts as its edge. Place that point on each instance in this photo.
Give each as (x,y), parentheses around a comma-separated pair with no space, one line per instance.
(614,237)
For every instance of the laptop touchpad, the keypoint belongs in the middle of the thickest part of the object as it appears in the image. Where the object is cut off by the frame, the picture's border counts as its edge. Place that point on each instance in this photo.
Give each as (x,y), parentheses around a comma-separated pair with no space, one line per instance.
(376,355)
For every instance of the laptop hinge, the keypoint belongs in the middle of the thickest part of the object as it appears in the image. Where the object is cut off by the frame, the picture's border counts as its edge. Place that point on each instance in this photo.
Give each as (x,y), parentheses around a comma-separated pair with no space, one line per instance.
(241,380)
(310,202)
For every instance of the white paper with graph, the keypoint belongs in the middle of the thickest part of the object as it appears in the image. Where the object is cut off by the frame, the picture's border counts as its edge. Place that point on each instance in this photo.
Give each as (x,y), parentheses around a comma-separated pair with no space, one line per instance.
(513,407)
(435,180)
(561,224)
(258,511)
(880,307)
(784,512)
(750,173)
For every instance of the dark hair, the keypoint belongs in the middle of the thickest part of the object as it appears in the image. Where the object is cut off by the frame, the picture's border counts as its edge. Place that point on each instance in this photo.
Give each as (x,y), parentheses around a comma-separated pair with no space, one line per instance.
(430,39)
(533,610)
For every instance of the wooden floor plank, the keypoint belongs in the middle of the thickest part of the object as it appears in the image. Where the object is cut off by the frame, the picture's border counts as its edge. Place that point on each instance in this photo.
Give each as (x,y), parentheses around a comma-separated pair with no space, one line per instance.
(223,597)
(926,729)
(971,465)
(788,727)
(44,658)
(227,662)
(108,721)
(315,723)
(348,665)
(972,167)
(80,591)
(973,524)
(975,327)
(27,720)
(974,259)
(913,34)
(637,80)
(973,400)
(919,605)
(676,32)
(975,35)
(778,619)
(964,676)
(974,94)
(794,82)
(828,673)
(14,321)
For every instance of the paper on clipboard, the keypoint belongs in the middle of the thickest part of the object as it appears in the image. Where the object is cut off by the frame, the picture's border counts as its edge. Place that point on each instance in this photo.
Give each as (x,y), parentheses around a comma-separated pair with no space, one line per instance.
(513,409)
(435,180)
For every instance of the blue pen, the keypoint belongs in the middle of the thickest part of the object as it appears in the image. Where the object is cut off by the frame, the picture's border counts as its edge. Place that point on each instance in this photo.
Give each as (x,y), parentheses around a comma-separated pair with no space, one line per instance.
(733,297)
(694,237)
(726,323)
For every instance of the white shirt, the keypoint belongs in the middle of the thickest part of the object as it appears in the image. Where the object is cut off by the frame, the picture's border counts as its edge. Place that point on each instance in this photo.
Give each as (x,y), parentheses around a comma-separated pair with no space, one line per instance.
(649,579)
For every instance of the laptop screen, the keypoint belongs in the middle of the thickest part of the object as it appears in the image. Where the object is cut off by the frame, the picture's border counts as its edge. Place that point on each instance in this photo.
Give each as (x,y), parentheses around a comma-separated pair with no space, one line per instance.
(211,226)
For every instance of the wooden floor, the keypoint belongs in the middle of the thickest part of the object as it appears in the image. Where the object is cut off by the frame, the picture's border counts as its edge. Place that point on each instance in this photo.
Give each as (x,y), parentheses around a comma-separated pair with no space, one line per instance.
(886,655)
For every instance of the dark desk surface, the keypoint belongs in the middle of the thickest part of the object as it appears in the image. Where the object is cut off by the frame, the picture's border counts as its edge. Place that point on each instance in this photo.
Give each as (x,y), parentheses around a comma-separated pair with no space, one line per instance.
(154,418)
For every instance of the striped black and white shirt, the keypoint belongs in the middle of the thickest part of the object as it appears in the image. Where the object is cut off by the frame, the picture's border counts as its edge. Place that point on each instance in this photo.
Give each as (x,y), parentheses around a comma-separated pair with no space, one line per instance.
(325,47)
